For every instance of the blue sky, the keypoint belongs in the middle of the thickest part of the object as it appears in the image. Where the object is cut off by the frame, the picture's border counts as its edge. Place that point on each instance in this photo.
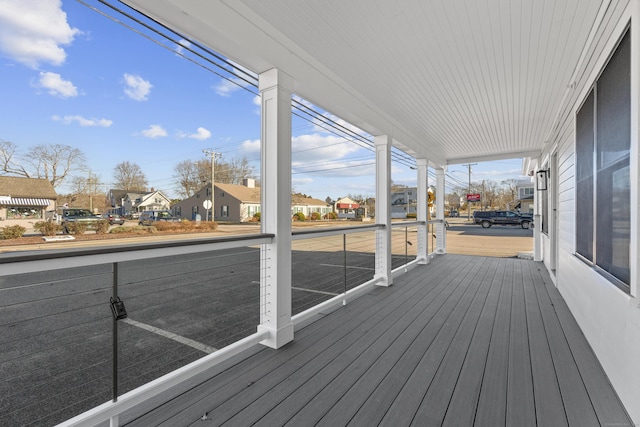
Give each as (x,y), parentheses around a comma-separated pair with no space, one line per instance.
(72,76)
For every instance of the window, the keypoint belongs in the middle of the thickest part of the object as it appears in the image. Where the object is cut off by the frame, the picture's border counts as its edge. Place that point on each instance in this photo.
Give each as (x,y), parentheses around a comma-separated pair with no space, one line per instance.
(21,212)
(224,211)
(603,187)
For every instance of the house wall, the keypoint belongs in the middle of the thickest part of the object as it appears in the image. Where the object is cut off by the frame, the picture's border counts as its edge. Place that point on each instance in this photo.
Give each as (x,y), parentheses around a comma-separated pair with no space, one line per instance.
(234,207)
(609,317)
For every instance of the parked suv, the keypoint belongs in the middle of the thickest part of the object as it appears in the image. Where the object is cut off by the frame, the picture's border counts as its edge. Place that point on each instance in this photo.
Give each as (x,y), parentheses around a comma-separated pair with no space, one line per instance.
(67,216)
(149,217)
(489,218)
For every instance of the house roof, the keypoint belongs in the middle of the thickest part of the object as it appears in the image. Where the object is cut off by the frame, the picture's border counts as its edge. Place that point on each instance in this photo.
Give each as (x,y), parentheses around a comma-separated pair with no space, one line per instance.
(252,195)
(27,187)
(243,193)
(308,201)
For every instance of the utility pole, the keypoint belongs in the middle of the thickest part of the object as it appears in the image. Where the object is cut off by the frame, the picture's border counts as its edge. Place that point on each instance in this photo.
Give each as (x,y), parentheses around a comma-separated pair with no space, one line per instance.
(91,187)
(211,153)
(469,191)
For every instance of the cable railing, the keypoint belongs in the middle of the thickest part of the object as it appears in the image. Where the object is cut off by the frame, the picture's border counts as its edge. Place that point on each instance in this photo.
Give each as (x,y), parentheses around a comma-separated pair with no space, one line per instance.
(64,350)
(328,263)
(121,324)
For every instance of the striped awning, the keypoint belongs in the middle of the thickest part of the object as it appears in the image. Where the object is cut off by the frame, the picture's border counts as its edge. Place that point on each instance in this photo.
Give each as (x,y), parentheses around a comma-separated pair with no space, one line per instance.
(24,201)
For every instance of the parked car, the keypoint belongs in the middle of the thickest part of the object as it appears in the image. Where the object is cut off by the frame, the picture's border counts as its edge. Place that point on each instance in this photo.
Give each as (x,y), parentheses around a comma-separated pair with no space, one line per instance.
(113,218)
(149,217)
(67,216)
(489,218)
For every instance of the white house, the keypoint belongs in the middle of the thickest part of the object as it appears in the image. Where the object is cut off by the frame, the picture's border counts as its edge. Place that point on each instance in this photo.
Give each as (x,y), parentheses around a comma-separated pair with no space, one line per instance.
(127,202)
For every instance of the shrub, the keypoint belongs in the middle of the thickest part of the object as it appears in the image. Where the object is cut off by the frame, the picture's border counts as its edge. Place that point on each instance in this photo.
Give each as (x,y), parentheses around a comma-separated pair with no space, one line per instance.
(315,216)
(168,226)
(331,215)
(75,228)
(412,215)
(257,216)
(102,226)
(299,216)
(209,225)
(13,232)
(47,228)
(138,229)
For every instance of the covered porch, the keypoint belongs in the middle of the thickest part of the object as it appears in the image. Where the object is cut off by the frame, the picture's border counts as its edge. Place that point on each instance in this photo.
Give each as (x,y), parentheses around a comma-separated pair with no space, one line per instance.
(463,341)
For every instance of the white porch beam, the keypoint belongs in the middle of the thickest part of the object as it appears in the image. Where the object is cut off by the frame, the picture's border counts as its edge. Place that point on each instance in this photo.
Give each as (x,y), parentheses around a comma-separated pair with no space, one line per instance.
(383,210)
(275,283)
(423,202)
(441,232)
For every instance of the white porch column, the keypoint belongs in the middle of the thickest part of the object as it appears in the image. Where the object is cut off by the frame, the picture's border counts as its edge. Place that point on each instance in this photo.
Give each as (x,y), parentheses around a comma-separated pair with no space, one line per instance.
(441,231)
(275,282)
(423,202)
(383,210)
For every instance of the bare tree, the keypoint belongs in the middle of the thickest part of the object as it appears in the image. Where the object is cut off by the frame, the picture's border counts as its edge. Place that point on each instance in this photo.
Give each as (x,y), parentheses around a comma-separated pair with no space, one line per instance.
(8,162)
(191,175)
(129,176)
(53,162)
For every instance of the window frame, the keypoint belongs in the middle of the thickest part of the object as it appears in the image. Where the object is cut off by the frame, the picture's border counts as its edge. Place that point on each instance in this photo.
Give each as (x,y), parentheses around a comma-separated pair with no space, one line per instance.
(601,255)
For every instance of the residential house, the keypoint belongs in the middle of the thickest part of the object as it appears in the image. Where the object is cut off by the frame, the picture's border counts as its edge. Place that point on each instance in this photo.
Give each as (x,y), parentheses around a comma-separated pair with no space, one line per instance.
(346,207)
(131,203)
(525,191)
(25,201)
(404,201)
(238,203)
(309,205)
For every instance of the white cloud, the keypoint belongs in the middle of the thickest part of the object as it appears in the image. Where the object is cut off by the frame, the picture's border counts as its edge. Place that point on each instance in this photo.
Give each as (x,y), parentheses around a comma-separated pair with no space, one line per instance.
(82,121)
(137,88)
(320,126)
(154,131)
(201,134)
(316,147)
(227,87)
(56,86)
(34,31)
(182,43)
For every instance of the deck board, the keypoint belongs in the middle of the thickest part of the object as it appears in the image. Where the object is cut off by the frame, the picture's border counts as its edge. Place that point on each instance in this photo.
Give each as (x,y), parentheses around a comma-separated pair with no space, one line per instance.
(462,341)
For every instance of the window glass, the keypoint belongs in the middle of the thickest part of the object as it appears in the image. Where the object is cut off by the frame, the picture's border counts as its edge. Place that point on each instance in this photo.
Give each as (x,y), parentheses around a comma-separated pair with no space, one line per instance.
(603,186)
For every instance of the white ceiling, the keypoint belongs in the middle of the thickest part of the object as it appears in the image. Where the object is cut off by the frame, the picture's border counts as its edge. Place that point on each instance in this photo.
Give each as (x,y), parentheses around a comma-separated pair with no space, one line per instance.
(450,80)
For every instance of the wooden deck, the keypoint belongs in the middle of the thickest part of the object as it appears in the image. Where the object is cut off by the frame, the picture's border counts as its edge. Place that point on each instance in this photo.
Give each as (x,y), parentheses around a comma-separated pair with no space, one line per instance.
(463,341)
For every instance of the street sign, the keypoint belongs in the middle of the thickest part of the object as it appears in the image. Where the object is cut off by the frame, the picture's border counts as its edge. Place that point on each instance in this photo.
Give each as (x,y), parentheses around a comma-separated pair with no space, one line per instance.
(473,197)
(207,204)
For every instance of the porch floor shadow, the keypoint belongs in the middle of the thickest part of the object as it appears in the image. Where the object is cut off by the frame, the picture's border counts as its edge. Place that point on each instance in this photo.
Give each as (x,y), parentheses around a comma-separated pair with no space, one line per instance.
(462,341)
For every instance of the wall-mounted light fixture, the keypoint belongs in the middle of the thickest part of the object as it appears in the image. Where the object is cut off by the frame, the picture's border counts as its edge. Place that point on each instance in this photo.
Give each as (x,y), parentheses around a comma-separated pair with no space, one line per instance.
(542,179)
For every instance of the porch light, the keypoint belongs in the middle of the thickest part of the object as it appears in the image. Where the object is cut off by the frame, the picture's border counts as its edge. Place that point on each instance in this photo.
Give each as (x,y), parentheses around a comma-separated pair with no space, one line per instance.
(541,180)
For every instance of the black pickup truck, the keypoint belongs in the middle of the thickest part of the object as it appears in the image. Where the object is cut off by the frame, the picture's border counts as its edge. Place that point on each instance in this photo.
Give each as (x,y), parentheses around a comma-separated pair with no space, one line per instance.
(489,218)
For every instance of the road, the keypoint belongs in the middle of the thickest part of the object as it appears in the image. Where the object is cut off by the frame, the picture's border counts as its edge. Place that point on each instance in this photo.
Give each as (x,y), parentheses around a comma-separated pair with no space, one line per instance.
(56,327)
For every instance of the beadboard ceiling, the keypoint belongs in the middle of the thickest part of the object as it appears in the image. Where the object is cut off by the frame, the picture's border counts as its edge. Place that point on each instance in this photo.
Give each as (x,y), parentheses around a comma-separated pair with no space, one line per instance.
(449,80)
